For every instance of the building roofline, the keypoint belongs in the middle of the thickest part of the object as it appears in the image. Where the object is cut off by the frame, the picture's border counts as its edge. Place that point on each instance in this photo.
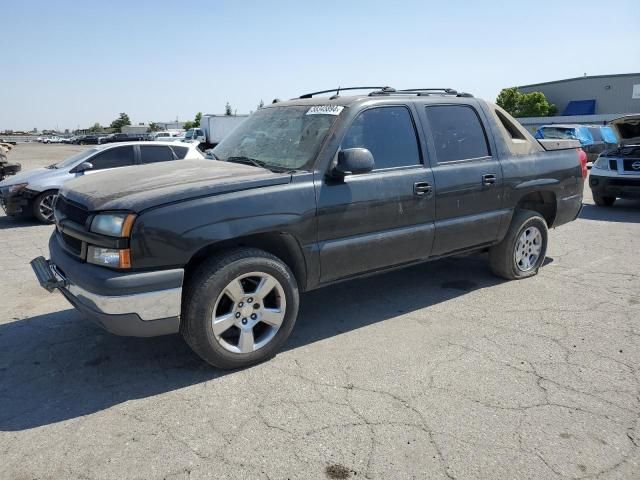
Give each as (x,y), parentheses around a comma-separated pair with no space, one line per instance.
(615,75)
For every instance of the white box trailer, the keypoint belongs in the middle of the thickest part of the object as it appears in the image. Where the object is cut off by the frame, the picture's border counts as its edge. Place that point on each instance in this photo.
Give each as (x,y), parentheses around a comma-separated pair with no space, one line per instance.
(214,128)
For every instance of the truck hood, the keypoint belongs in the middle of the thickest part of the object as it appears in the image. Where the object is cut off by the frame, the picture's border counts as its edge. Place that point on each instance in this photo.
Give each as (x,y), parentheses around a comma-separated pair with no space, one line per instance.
(628,129)
(138,188)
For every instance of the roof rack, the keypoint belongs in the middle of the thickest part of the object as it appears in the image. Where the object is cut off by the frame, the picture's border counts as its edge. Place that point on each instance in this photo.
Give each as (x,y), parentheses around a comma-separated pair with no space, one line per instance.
(339,89)
(421,92)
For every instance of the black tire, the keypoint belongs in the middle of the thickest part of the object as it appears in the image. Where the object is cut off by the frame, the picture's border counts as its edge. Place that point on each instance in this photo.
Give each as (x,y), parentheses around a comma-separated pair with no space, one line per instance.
(203,290)
(502,257)
(603,201)
(41,204)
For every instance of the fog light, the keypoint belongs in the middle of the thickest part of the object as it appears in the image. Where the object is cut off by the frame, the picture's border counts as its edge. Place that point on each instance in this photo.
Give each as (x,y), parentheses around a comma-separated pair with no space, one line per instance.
(109,257)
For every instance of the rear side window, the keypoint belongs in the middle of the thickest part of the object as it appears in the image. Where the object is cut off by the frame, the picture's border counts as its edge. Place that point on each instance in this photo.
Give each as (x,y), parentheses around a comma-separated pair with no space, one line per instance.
(388,133)
(155,154)
(511,129)
(457,133)
(180,152)
(113,158)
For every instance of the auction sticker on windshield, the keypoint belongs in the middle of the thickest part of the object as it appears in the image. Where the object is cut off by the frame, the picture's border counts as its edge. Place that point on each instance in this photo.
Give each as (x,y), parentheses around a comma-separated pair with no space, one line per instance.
(325,110)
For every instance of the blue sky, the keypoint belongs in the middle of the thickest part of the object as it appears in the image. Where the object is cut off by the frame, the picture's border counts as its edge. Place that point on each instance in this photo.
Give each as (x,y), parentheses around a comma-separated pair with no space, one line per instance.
(71,64)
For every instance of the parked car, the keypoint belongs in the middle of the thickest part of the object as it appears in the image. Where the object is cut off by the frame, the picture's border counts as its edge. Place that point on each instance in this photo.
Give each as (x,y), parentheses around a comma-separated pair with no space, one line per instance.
(594,139)
(122,137)
(306,193)
(7,168)
(90,139)
(166,136)
(616,172)
(32,193)
(53,139)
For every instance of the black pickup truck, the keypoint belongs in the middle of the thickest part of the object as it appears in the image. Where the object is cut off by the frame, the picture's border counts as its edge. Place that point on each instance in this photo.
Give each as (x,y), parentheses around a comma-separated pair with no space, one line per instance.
(303,194)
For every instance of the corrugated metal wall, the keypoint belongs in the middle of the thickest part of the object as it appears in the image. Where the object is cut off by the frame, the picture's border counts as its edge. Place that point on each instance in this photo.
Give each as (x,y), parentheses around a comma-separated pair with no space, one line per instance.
(612,93)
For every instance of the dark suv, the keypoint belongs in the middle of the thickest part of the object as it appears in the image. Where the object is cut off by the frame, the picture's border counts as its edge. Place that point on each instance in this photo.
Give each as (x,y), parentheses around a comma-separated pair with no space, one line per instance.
(303,194)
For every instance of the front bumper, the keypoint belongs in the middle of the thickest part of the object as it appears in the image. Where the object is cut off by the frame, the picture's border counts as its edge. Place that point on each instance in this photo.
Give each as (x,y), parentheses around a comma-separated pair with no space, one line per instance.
(17,204)
(130,304)
(619,186)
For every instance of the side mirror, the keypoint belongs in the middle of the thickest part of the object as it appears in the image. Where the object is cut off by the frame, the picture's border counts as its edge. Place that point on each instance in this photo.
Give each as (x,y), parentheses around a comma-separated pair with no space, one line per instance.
(84,166)
(353,161)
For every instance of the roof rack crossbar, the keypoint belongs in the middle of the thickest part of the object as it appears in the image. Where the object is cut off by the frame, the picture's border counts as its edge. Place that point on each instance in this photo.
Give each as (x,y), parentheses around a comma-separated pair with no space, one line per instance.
(422,92)
(339,89)
(446,90)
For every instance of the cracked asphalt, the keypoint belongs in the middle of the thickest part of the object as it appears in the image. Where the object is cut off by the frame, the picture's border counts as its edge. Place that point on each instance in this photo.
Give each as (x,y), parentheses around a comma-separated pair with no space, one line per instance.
(436,371)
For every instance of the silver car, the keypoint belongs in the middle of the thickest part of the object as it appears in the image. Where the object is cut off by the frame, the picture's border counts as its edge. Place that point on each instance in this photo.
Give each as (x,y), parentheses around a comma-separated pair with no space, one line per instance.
(32,193)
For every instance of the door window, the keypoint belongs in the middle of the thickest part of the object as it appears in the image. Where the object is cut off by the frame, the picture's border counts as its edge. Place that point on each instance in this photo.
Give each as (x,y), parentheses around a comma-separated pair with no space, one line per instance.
(457,133)
(155,153)
(180,152)
(388,133)
(113,158)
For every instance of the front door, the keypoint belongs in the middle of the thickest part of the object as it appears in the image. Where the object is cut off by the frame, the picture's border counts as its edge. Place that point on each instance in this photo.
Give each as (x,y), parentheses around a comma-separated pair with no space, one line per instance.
(374,220)
(468,179)
(110,158)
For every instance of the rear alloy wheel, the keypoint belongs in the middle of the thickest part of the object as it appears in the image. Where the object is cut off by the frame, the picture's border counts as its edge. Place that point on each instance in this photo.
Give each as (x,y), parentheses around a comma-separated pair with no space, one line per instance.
(603,201)
(522,251)
(528,248)
(239,308)
(43,206)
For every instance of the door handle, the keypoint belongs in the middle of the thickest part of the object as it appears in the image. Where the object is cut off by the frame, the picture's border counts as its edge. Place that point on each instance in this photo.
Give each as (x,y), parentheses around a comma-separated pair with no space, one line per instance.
(423,188)
(489,179)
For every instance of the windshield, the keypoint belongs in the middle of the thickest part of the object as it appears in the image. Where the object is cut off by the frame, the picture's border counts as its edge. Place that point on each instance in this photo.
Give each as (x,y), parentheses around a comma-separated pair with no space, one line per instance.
(279,137)
(191,133)
(76,158)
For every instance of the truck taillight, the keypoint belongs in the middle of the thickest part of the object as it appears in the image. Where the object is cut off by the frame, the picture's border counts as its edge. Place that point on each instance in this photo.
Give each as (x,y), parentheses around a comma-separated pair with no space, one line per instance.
(583,162)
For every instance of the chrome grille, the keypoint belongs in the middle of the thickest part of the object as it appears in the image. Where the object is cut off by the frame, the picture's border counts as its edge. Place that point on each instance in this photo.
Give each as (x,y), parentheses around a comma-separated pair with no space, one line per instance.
(66,209)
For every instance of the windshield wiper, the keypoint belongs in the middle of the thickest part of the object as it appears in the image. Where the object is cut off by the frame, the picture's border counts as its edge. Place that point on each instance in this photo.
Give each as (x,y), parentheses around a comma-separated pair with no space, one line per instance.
(247,161)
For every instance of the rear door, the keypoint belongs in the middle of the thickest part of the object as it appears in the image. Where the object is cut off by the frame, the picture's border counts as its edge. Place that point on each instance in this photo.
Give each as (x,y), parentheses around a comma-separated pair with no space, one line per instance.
(155,154)
(382,218)
(468,178)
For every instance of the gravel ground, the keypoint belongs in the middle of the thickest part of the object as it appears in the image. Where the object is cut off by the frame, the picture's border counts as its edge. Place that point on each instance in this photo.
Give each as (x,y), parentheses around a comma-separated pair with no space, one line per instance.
(436,371)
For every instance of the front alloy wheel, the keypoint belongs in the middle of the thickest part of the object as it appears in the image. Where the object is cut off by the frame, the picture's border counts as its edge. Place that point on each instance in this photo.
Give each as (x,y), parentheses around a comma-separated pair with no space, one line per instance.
(249,312)
(239,307)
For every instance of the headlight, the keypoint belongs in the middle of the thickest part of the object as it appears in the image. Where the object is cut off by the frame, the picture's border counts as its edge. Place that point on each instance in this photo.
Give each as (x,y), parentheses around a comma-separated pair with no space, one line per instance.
(109,257)
(113,224)
(601,163)
(18,187)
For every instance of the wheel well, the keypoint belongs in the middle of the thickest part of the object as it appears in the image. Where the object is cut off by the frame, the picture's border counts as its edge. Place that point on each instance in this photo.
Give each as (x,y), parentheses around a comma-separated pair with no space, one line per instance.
(542,202)
(282,245)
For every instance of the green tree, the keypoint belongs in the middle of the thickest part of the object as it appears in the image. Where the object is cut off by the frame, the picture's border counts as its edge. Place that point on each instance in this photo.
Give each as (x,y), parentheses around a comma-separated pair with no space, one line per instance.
(518,104)
(121,121)
(508,99)
(227,109)
(154,127)
(96,127)
(195,123)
